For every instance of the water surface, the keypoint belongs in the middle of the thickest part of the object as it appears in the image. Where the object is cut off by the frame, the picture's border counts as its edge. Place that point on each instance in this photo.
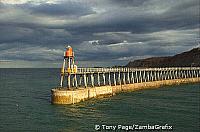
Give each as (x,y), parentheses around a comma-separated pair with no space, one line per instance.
(25,105)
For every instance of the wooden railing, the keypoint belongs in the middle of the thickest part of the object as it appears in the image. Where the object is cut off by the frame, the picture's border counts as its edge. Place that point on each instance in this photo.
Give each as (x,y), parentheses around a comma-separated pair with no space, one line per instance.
(91,77)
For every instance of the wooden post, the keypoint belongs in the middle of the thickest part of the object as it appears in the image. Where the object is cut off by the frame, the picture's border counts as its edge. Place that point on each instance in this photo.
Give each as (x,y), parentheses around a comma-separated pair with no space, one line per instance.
(182,74)
(75,77)
(171,74)
(73,81)
(140,76)
(179,74)
(62,73)
(109,79)
(92,79)
(132,78)
(144,76)
(128,77)
(98,79)
(114,78)
(68,80)
(186,73)
(61,80)
(168,75)
(85,80)
(165,75)
(176,75)
(124,78)
(147,76)
(104,79)
(155,77)
(80,79)
(193,73)
(158,74)
(197,73)
(190,73)
(119,79)
(136,75)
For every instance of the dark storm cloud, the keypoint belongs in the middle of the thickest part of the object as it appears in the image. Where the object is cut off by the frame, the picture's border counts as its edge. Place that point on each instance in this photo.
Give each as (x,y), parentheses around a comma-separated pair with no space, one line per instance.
(70,8)
(98,30)
(125,3)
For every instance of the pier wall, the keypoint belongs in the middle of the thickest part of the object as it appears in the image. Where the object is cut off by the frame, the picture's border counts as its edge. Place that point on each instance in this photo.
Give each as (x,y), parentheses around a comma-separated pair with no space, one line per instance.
(67,96)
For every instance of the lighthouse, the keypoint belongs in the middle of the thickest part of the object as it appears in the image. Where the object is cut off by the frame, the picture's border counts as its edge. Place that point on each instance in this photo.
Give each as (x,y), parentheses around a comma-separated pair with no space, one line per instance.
(68,66)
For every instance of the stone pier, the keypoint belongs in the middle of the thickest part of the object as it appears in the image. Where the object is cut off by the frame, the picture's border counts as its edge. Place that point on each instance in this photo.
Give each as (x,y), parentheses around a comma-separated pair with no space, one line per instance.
(72,96)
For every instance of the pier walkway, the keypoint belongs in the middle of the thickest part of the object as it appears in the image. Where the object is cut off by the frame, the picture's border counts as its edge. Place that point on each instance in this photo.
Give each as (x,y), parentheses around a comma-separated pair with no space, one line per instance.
(91,77)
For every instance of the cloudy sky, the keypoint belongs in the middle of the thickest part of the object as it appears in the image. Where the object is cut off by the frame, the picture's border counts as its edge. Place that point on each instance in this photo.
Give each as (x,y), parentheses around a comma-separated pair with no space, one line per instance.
(34,33)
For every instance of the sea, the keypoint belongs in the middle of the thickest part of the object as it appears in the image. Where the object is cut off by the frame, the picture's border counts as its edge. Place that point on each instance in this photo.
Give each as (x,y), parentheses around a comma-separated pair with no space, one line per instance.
(25,106)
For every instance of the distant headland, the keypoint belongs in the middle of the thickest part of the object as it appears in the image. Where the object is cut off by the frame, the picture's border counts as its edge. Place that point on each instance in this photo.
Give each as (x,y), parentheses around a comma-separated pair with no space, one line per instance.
(185,59)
